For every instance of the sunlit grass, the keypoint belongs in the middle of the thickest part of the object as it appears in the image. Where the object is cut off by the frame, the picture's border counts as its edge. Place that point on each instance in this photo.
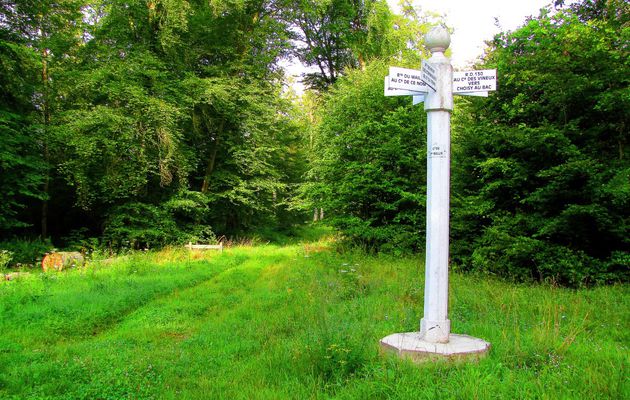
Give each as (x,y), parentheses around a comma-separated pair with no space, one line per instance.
(297,321)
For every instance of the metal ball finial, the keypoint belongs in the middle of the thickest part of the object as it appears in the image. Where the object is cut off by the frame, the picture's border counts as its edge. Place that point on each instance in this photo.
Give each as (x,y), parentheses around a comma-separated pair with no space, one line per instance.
(437,39)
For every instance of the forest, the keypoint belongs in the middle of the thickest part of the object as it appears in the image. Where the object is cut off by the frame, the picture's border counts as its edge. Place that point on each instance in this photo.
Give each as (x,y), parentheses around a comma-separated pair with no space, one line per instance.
(139,124)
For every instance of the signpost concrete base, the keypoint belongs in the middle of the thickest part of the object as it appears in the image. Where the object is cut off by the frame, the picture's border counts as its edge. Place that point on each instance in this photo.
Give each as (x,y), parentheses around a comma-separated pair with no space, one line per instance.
(411,345)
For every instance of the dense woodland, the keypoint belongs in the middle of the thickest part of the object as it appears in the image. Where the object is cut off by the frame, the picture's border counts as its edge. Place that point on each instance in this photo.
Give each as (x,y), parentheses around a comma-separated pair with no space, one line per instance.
(138,124)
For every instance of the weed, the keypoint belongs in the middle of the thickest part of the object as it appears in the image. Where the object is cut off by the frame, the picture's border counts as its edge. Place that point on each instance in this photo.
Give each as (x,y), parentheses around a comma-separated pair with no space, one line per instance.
(5,258)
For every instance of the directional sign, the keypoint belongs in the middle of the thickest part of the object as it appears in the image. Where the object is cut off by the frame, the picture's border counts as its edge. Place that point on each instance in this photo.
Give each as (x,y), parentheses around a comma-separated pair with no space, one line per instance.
(411,82)
(390,91)
(429,74)
(407,79)
(474,81)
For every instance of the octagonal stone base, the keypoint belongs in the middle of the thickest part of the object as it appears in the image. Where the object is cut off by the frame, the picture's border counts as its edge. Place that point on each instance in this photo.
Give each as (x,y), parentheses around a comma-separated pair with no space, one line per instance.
(459,347)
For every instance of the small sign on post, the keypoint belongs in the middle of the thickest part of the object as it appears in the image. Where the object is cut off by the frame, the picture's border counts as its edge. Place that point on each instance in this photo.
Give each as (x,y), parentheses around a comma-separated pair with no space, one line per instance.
(390,91)
(474,81)
(406,79)
(429,74)
(417,99)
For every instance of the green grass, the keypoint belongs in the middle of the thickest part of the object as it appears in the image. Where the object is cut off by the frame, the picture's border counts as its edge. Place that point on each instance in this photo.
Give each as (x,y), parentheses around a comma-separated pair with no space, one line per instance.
(299,321)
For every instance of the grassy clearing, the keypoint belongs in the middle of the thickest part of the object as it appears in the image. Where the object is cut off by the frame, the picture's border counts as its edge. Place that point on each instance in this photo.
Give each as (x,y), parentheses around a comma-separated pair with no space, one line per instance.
(298,321)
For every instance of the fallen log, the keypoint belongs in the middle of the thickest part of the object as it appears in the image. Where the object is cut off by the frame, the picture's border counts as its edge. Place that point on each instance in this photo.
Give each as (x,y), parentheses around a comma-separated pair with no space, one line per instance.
(61,260)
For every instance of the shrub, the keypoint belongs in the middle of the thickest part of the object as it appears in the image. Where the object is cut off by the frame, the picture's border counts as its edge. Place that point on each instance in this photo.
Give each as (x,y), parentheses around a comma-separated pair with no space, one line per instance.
(79,240)
(540,170)
(140,225)
(370,169)
(5,258)
(25,251)
(522,258)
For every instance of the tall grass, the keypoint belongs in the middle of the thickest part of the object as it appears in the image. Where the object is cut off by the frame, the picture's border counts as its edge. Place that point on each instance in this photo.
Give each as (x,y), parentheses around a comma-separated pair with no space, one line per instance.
(299,321)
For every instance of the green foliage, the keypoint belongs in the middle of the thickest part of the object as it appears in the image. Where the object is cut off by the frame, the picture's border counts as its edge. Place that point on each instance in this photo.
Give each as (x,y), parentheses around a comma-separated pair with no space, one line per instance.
(26,251)
(21,167)
(336,35)
(21,170)
(179,220)
(80,240)
(139,225)
(541,178)
(5,258)
(124,103)
(120,139)
(293,234)
(250,155)
(155,120)
(35,37)
(369,169)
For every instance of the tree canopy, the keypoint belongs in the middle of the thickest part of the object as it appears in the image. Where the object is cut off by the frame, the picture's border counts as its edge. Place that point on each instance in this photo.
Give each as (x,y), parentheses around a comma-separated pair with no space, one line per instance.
(542,165)
(146,123)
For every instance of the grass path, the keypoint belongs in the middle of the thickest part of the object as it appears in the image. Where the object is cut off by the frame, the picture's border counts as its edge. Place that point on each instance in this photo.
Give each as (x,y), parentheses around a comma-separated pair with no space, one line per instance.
(297,322)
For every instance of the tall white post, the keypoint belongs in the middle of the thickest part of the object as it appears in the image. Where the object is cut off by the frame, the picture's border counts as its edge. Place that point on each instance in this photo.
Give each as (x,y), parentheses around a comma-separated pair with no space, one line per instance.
(434,340)
(435,326)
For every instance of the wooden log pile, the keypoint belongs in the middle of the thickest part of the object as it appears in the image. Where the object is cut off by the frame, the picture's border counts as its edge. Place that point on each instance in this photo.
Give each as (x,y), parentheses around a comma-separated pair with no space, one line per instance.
(61,260)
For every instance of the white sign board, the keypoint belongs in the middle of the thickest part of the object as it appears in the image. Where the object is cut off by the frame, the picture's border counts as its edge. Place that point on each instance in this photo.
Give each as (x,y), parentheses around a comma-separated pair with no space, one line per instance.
(474,81)
(390,91)
(429,74)
(406,79)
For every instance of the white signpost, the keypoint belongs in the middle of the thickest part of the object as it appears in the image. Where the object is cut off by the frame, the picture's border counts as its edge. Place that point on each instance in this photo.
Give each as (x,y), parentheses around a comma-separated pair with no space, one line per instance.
(435,340)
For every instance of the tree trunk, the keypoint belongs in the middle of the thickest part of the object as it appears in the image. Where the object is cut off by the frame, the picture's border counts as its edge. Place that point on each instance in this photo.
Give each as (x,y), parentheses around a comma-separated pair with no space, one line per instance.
(46,111)
(362,63)
(211,161)
(44,219)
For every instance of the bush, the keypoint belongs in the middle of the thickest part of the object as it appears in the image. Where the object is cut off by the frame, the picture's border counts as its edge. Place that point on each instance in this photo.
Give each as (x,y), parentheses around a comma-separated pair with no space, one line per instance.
(176,221)
(5,258)
(25,251)
(522,258)
(369,174)
(80,240)
(540,170)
